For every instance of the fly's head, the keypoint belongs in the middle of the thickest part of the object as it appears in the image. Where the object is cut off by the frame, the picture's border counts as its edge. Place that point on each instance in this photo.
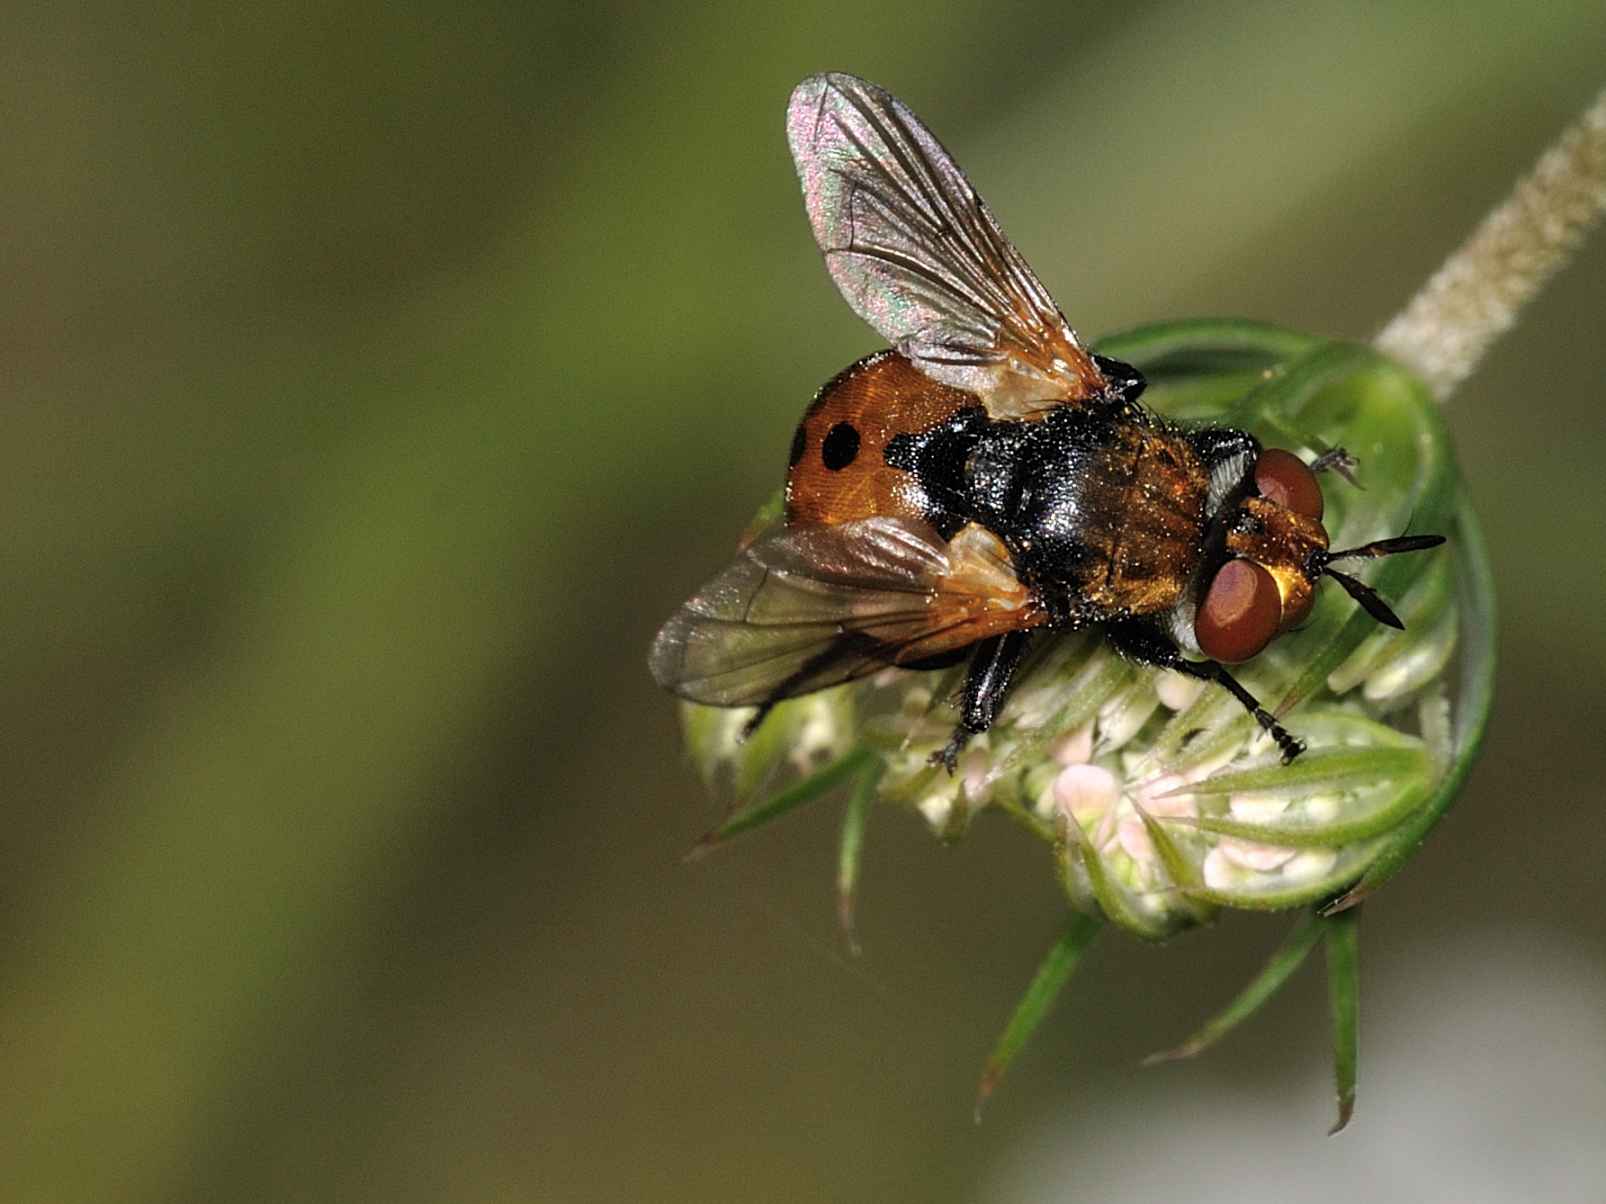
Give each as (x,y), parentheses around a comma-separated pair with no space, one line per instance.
(1277,551)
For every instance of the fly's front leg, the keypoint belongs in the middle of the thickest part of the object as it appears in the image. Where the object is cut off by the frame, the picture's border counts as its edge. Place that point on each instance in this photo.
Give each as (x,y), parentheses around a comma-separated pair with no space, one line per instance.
(992,668)
(1336,459)
(1149,646)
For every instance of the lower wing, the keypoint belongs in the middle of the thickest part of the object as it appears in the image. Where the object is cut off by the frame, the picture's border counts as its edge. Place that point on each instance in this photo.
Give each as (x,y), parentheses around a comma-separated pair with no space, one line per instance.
(803,608)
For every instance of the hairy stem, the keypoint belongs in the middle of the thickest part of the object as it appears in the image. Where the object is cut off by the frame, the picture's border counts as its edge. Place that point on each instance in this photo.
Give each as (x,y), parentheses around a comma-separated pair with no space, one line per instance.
(1475,297)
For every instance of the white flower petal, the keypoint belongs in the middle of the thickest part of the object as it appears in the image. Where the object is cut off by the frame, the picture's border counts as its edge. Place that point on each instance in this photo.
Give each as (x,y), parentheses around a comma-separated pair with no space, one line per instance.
(1251,855)
(937,808)
(1256,808)
(1134,838)
(976,774)
(1220,873)
(1075,747)
(1086,792)
(1322,808)
(1310,864)
(1177,691)
(1155,797)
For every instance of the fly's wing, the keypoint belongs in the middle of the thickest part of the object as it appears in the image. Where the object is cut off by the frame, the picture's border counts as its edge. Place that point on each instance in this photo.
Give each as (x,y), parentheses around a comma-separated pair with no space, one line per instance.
(803,608)
(918,255)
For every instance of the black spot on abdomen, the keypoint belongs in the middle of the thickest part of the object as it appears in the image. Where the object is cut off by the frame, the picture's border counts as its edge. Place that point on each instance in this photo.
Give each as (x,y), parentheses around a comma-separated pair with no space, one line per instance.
(840,446)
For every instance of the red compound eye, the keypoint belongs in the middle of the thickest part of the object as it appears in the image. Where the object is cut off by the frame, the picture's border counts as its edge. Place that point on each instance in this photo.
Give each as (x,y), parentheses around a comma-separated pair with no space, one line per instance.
(1240,613)
(1282,477)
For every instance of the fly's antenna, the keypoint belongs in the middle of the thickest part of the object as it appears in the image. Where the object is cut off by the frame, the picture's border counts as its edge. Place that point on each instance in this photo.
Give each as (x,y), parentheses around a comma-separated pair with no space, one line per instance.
(1383,547)
(1320,564)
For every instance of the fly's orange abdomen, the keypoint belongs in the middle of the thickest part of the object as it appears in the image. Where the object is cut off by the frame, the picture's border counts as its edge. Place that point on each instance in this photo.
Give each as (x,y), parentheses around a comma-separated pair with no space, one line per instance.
(839,469)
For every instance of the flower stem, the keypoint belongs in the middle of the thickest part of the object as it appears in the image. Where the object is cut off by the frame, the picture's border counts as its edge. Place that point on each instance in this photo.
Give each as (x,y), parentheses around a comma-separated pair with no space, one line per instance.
(1475,297)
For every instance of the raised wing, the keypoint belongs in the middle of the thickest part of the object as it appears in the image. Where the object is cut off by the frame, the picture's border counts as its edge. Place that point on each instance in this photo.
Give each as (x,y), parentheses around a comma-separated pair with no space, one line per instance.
(803,608)
(917,254)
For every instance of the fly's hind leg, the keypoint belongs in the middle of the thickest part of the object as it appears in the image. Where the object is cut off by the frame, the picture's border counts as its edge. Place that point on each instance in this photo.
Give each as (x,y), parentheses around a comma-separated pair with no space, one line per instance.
(992,668)
(1149,646)
(847,646)
(801,681)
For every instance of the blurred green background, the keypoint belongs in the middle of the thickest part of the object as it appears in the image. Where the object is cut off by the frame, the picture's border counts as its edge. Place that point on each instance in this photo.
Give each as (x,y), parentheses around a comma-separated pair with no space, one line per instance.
(378,377)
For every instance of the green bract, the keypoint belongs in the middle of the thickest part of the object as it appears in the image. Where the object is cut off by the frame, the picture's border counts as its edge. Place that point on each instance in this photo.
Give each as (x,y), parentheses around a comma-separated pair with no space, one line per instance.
(1160,800)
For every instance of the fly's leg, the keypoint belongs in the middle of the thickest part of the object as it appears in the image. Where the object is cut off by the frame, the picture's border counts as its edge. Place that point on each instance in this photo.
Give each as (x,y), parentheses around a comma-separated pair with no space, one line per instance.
(1336,459)
(992,668)
(1149,646)
(848,646)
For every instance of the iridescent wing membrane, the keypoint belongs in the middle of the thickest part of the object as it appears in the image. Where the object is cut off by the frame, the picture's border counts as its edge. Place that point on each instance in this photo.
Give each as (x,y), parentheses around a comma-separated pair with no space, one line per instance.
(802,608)
(918,255)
